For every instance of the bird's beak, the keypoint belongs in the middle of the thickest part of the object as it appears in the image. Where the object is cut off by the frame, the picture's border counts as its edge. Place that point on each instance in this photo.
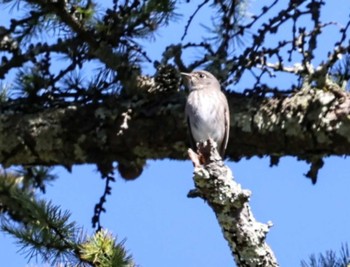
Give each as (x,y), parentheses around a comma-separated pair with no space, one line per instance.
(187,77)
(185,74)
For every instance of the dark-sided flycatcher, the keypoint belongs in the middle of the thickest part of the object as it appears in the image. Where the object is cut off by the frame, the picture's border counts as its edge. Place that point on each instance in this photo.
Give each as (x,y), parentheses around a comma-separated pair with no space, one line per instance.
(207,109)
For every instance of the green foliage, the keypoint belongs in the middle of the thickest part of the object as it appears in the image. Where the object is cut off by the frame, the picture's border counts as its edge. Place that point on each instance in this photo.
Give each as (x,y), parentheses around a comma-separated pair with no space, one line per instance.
(13,198)
(43,231)
(78,32)
(40,228)
(329,259)
(102,250)
(36,177)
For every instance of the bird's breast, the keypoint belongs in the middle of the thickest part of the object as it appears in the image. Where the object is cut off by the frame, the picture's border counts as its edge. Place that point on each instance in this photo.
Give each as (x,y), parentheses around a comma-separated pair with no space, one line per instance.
(206,115)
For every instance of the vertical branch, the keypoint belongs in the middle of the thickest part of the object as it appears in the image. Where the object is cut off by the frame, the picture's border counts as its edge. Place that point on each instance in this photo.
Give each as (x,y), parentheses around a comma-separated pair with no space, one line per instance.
(214,183)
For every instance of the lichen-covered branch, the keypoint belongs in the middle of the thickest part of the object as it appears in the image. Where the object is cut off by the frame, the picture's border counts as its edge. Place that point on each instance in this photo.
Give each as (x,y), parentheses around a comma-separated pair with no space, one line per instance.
(312,122)
(214,183)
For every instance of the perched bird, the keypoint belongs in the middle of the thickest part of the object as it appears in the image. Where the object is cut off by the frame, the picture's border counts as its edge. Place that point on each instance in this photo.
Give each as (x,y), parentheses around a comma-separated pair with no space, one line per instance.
(207,109)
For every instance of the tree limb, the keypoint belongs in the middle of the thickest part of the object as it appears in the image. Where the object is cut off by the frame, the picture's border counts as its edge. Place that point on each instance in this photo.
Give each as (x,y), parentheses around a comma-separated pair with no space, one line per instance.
(214,183)
(308,123)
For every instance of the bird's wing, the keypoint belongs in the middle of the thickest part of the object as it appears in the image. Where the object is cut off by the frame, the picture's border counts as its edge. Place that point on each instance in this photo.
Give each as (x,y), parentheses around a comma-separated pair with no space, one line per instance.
(227,130)
(192,141)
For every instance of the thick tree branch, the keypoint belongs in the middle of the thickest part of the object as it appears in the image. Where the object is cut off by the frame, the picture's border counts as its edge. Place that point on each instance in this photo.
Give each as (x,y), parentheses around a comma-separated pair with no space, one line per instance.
(308,123)
(214,183)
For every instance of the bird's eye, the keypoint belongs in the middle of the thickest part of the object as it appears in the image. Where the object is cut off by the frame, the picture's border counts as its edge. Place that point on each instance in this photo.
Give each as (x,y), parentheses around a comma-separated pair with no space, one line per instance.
(201,75)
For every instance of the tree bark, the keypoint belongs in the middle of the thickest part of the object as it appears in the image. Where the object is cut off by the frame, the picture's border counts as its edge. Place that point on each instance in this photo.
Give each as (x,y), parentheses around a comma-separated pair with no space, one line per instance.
(215,184)
(311,122)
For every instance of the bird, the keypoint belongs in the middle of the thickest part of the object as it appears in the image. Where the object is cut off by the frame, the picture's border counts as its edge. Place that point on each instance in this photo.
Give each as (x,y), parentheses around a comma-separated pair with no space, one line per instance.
(207,110)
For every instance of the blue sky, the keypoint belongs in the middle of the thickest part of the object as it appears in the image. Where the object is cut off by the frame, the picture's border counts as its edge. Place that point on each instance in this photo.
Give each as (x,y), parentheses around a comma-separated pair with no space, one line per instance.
(162,227)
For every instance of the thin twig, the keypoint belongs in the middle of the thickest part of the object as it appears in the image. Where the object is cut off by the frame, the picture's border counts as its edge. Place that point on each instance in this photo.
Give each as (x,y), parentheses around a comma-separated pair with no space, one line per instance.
(192,17)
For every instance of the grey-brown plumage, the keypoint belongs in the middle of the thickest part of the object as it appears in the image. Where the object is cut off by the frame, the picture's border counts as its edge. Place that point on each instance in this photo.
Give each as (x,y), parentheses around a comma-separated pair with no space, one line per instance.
(207,109)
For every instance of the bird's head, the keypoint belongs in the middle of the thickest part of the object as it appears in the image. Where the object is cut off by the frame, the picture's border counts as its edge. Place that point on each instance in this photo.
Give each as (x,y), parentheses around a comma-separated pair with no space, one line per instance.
(200,80)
